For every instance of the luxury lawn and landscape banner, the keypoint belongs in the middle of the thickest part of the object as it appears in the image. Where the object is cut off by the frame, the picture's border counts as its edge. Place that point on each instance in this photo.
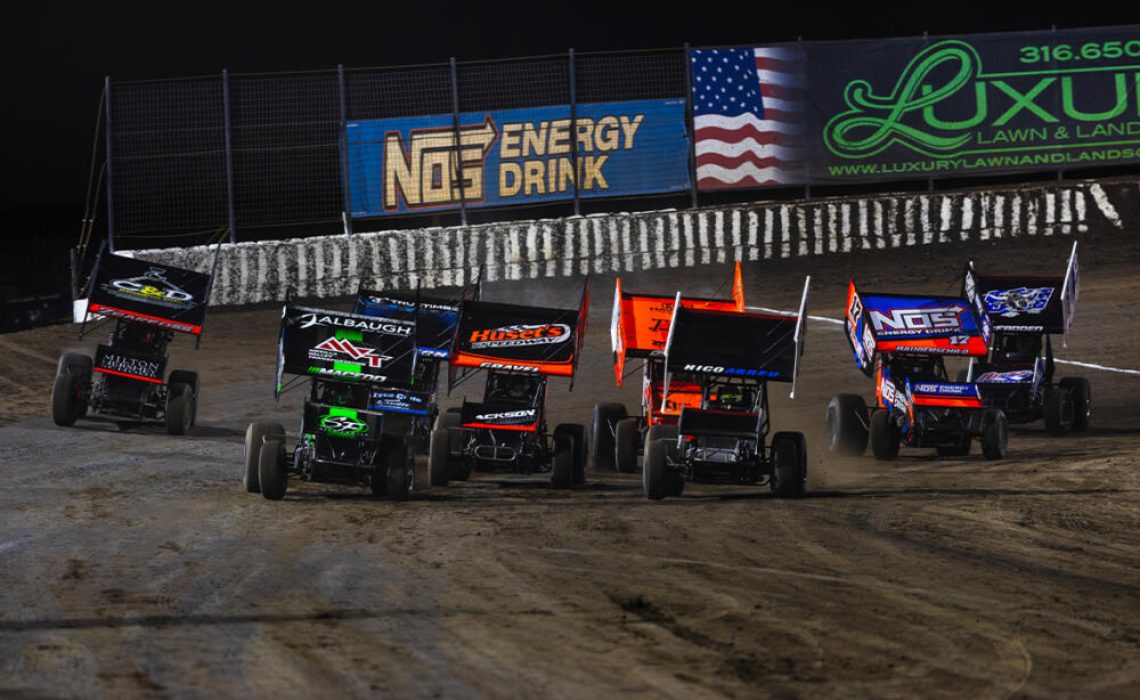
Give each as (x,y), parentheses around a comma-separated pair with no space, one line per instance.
(859,111)
(517,156)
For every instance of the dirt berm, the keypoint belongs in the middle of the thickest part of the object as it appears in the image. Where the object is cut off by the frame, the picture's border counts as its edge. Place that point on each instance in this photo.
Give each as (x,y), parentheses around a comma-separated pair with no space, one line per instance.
(133,564)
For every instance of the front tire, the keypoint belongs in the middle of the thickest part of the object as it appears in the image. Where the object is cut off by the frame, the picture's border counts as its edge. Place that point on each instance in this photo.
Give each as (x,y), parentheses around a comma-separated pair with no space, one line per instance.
(1081,394)
(884,436)
(271,471)
(847,425)
(606,417)
(995,434)
(627,438)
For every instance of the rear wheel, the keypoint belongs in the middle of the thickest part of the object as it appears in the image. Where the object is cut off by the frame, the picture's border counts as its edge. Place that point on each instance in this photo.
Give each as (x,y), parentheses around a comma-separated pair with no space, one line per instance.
(255,434)
(439,458)
(400,472)
(74,363)
(182,376)
(562,462)
(606,416)
(1081,394)
(789,465)
(577,433)
(66,402)
(451,420)
(995,434)
(179,409)
(271,472)
(655,476)
(1059,412)
(847,425)
(627,437)
(884,435)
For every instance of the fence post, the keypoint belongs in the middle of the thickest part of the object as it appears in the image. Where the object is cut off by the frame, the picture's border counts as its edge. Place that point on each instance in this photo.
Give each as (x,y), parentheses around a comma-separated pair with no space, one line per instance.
(690,122)
(345,171)
(574,132)
(232,216)
(110,179)
(458,147)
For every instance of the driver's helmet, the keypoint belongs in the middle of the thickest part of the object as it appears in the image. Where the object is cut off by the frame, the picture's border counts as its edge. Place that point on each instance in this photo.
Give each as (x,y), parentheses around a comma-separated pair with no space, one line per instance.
(508,387)
(730,396)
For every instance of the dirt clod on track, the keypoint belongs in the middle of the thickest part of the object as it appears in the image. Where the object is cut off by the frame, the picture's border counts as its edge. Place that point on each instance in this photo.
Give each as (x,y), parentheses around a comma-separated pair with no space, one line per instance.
(133,564)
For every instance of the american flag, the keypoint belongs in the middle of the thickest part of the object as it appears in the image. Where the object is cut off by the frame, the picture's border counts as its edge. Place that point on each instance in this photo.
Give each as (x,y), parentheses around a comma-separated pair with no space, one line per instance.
(747,111)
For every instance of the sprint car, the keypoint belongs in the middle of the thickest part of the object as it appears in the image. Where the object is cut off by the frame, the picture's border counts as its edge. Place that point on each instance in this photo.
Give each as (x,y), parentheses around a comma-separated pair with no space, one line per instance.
(519,348)
(639,329)
(357,368)
(435,321)
(126,379)
(732,356)
(902,340)
(1018,375)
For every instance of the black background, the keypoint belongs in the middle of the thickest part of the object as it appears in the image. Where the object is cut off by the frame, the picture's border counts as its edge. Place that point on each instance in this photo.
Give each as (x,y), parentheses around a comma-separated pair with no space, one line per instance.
(55,56)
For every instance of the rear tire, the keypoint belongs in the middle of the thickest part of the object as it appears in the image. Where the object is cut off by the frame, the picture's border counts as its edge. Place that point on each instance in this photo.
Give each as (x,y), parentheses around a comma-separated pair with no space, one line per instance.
(74,363)
(577,433)
(66,405)
(606,416)
(439,457)
(400,472)
(884,436)
(271,472)
(562,462)
(1059,412)
(1081,394)
(179,409)
(627,438)
(255,434)
(995,434)
(451,420)
(182,376)
(789,465)
(655,474)
(847,425)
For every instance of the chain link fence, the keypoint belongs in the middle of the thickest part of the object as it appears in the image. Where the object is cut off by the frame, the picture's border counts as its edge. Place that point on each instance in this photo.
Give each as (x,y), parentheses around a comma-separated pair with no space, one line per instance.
(189,158)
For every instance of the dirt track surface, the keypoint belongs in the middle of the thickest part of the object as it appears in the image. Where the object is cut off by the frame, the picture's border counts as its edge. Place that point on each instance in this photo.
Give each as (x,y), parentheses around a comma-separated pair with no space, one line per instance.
(132,563)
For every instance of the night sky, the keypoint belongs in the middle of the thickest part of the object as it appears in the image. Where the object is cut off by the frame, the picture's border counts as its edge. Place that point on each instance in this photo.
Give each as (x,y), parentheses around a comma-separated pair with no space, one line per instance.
(55,56)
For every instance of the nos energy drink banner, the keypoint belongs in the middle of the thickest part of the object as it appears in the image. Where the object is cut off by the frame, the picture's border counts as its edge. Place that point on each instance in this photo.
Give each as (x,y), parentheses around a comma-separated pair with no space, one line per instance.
(516,156)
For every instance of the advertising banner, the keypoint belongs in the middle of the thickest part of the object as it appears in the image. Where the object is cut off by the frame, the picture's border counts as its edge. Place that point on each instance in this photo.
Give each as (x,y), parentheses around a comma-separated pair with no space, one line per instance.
(516,156)
(890,109)
(147,292)
(345,346)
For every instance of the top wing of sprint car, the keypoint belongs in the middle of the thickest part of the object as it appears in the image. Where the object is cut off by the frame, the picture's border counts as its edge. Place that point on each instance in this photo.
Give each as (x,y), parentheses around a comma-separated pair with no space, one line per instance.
(639,326)
(145,292)
(915,324)
(346,347)
(517,338)
(762,346)
(435,318)
(1025,303)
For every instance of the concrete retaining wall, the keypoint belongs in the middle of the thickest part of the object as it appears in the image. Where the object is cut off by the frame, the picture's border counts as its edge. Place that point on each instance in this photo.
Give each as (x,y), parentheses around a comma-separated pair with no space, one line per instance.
(334,265)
